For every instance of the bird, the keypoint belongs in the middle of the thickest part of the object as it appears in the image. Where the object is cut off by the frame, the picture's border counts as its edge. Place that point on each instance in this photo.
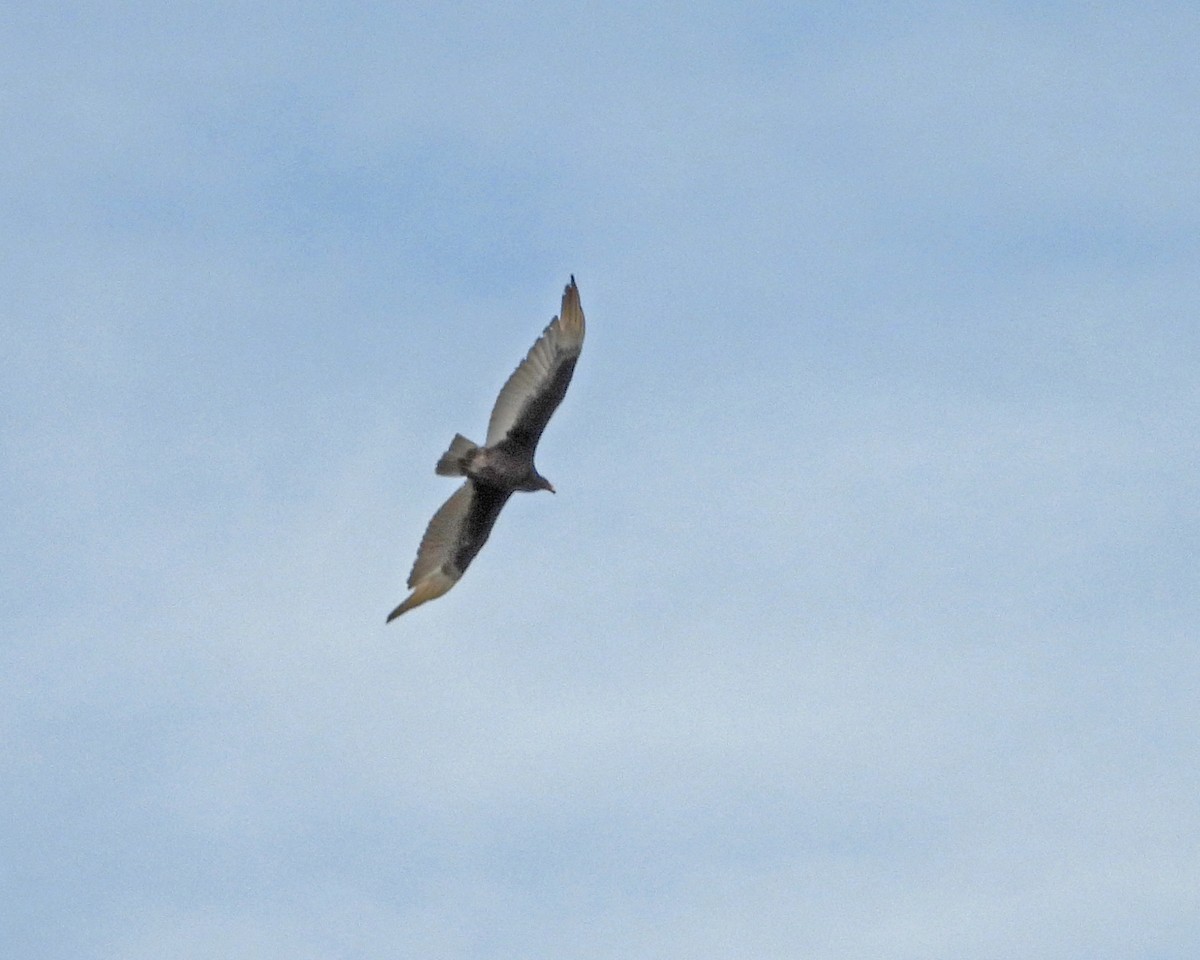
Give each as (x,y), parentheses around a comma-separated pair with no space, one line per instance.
(503,464)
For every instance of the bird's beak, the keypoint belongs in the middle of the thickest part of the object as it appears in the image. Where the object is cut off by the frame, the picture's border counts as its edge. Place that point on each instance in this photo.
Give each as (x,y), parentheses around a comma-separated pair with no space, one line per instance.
(550,487)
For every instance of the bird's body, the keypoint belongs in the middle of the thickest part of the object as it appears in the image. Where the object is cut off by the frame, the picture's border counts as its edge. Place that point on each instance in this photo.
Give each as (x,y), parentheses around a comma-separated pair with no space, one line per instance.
(502,466)
(505,466)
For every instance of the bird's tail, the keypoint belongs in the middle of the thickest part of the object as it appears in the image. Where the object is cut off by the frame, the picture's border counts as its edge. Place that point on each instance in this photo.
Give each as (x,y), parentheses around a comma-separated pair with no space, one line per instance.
(453,463)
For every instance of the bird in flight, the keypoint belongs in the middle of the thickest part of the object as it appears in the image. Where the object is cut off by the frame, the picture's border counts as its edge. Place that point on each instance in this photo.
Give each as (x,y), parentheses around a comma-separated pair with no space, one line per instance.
(504,464)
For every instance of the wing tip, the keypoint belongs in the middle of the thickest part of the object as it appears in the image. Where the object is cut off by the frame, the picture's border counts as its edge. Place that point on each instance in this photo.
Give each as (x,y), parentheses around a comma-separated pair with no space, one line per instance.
(570,316)
(432,587)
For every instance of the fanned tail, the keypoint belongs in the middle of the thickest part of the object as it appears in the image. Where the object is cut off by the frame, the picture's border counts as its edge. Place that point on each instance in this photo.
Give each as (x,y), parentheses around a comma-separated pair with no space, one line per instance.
(453,463)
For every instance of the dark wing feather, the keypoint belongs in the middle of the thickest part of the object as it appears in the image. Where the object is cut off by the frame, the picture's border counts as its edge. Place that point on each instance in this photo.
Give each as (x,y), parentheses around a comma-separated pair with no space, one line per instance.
(537,386)
(456,533)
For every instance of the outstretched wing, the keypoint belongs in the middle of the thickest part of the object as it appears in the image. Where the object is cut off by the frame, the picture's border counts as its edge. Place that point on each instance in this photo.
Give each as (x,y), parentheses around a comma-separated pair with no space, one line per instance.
(539,383)
(456,533)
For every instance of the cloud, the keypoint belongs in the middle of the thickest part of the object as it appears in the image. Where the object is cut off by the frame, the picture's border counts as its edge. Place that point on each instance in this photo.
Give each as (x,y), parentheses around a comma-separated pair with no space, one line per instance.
(861,622)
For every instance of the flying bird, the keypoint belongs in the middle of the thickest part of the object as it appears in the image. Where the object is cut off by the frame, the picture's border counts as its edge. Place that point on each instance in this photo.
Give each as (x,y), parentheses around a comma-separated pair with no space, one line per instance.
(504,464)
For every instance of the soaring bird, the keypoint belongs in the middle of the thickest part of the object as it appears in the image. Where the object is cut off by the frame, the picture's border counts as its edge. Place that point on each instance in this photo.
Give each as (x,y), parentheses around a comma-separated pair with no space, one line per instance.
(504,464)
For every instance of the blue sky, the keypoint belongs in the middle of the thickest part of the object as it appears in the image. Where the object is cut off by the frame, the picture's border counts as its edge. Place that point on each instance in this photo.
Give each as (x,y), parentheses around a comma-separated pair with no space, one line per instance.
(864,622)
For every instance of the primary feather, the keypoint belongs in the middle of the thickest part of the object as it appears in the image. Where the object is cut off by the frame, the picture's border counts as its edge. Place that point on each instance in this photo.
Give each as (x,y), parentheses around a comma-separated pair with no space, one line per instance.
(537,386)
(504,464)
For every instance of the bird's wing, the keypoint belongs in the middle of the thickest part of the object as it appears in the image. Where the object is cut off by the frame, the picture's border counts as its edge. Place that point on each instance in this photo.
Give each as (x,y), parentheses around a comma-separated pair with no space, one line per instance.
(456,533)
(538,384)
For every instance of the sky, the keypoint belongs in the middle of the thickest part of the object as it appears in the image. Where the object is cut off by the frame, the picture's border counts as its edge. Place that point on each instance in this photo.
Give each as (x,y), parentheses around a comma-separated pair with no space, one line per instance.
(864,621)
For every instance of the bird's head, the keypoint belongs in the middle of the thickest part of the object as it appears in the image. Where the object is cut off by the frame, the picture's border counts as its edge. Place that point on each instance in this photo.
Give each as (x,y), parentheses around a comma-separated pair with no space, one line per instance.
(538,482)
